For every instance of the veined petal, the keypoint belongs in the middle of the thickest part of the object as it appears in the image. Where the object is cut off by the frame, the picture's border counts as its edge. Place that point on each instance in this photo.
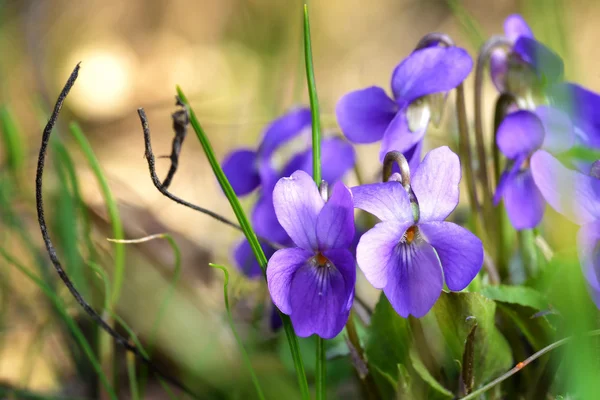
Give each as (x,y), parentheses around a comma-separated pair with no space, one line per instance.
(265,223)
(414,279)
(297,205)
(588,241)
(559,133)
(364,115)
(515,27)
(345,263)
(460,252)
(388,201)
(430,70)
(582,105)
(376,248)
(246,261)
(573,194)
(398,137)
(546,64)
(435,183)
(523,201)
(520,132)
(281,269)
(240,168)
(284,129)
(319,299)
(335,223)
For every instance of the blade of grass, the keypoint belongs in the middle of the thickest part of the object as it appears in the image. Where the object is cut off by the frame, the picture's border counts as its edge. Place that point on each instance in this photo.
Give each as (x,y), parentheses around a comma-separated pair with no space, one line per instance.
(249,233)
(321,371)
(245,357)
(74,328)
(14,145)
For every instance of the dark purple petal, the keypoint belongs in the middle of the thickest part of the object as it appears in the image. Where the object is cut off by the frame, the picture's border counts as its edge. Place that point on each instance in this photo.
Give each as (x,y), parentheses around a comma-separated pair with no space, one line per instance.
(376,248)
(335,224)
(515,27)
(573,194)
(499,69)
(246,261)
(364,115)
(265,223)
(344,261)
(240,168)
(523,201)
(520,133)
(588,246)
(547,65)
(282,130)
(430,70)
(582,106)
(338,158)
(297,204)
(387,201)
(414,279)
(559,132)
(460,252)
(281,269)
(319,298)
(398,137)
(435,183)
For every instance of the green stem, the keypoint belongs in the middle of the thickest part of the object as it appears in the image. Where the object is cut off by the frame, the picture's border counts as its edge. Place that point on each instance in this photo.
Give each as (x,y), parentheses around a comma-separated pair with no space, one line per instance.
(250,236)
(523,364)
(314,100)
(529,256)
(321,372)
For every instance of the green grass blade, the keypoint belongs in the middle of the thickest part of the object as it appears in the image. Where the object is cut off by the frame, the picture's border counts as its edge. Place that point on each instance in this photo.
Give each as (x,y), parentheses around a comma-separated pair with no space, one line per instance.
(259,391)
(14,146)
(250,236)
(473,30)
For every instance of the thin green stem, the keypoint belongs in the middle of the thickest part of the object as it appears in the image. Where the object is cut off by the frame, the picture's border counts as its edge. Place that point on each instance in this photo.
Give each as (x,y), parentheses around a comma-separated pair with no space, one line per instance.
(523,364)
(245,356)
(321,371)
(528,250)
(250,236)
(314,100)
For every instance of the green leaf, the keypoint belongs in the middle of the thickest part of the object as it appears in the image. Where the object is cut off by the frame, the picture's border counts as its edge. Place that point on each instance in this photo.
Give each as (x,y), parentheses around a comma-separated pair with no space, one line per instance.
(521,295)
(388,344)
(423,372)
(451,320)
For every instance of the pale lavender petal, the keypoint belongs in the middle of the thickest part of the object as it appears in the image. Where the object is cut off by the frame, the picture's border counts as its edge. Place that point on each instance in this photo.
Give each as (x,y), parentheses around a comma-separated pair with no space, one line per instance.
(499,69)
(364,115)
(573,194)
(507,176)
(523,201)
(344,261)
(398,136)
(297,205)
(520,133)
(588,246)
(430,70)
(376,248)
(240,168)
(414,279)
(435,183)
(319,299)
(335,224)
(388,201)
(281,269)
(559,132)
(460,252)
(284,129)
(515,27)
(265,223)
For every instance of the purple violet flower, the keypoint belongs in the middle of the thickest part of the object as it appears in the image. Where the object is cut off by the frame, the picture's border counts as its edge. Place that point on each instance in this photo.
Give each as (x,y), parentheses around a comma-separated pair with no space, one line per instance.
(519,135)
(576,196)
(527,64)
(369,115)
(410,259)
(313,282)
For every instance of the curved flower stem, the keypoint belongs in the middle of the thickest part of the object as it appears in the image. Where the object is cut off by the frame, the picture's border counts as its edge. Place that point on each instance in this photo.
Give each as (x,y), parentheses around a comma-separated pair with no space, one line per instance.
(523,364)
(250,236)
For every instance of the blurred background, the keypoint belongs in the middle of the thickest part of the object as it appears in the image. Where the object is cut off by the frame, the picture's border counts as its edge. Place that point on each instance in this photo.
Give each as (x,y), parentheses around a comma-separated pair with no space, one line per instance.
(240,62)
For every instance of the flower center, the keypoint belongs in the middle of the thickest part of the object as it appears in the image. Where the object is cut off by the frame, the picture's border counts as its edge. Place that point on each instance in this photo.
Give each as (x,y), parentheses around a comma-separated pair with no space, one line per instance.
(320,260)
(410,234)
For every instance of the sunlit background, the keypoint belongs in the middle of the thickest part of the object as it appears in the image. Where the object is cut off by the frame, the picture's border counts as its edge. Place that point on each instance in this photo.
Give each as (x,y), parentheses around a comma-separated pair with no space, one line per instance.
(240,63)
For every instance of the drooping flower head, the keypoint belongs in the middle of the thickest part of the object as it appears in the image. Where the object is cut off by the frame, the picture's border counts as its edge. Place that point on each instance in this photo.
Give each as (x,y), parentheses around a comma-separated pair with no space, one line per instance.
(369,115)
(528,66)
(410,259)
(577,196)
(313,282)
(519,135)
